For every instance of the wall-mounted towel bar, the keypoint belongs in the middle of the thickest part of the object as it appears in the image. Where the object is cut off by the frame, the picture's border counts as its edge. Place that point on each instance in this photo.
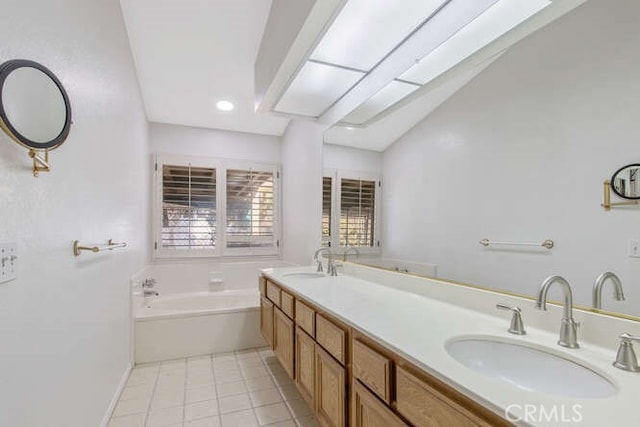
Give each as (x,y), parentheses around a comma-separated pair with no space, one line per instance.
(546,244)
(111,245)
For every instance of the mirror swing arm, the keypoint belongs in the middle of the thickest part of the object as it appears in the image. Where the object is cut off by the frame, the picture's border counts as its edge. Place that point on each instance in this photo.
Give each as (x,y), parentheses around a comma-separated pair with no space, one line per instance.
(607,205)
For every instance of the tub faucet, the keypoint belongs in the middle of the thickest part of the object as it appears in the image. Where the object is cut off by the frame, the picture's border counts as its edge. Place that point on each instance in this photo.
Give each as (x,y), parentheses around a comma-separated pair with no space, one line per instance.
(618,294)
(346,251)
(568,326)
(318,258)
(147,288)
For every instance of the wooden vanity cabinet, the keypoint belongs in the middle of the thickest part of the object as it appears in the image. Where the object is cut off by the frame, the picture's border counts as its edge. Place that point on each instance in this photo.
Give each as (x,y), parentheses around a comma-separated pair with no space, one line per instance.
(349,379)
(305,366)
(266,320)
(331,391)
(369,411)
(283,340)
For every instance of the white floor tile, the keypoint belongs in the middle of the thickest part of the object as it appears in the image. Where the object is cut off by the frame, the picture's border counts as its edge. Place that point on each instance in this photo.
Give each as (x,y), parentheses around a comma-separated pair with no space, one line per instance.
(288,423)
(272,413)
(167,400)
(248,363)
(255,372)
(229,389)
(254,384)
(204,409)
(204,422)
(229,377)
(242,418)
(309,421)
(133,406)
(142,391)
(299,408)
(200,381)
(234,403)
(200,394)
(165,417)
(265,397)
(290,392)
(136,420)
(174,364)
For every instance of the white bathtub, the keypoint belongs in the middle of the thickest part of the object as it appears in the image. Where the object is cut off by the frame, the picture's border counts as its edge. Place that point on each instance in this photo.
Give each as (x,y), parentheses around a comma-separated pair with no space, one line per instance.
(188,318)
(192,324)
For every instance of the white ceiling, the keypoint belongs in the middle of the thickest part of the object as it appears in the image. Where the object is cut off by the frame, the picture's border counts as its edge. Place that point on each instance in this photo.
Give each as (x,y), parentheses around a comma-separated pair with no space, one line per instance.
(189,54)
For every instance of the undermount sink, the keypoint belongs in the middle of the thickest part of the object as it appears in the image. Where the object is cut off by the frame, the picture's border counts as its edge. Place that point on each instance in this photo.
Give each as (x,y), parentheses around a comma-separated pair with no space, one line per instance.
(305,275)
(530,368)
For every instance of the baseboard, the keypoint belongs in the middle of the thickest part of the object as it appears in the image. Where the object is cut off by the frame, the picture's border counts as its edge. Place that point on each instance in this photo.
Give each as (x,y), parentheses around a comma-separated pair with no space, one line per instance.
(116,395)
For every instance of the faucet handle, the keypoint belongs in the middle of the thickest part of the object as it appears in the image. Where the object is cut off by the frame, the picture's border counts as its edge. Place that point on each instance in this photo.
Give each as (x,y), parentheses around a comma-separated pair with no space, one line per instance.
(516,327)
(626,358)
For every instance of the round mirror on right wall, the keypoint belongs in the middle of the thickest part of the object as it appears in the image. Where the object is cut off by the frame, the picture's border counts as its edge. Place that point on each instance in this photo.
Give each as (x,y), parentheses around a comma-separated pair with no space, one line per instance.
(35,110)
(625,182)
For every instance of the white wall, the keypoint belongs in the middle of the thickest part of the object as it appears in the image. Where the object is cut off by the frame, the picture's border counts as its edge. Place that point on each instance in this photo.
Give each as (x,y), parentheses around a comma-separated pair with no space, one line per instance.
(520,154)
(193,141)
(65,322)
(347,158)
(301,191)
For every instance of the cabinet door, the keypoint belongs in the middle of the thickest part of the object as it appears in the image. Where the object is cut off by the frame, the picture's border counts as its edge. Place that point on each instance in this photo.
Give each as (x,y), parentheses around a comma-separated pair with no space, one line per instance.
(305,366)
(283,328)
(331,393)
(369,411)
(266,320)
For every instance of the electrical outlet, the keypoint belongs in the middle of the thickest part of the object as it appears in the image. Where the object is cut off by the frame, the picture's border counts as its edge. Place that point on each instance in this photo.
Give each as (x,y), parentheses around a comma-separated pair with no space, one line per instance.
(634,248)
(8,262)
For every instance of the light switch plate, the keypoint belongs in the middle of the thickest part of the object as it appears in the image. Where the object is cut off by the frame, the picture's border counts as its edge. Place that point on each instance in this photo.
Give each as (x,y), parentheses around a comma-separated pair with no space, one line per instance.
(634,248)
(8,261)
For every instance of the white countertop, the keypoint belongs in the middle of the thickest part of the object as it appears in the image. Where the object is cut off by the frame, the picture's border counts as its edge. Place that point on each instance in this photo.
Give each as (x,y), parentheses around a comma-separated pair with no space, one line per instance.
(418,327)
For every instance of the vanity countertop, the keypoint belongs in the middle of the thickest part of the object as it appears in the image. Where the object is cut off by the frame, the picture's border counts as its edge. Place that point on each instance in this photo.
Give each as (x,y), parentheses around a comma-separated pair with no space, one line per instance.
(418,328)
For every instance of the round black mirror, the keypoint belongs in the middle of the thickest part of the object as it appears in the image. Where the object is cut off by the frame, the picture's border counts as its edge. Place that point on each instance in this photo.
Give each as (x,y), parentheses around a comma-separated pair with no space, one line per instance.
(626,181)
(34,107)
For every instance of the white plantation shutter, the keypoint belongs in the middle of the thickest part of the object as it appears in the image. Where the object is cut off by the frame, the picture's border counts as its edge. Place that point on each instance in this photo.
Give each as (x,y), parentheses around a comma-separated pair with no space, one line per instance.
(189,216)
(327,183)
(251,209)
(206,207)
(357,212)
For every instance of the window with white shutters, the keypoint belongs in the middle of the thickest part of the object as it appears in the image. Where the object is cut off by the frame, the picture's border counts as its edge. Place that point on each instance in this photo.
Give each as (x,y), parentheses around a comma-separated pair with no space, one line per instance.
(351,210)
(214,207)
(250,209)
(326,210)
(357,212)
(188,207)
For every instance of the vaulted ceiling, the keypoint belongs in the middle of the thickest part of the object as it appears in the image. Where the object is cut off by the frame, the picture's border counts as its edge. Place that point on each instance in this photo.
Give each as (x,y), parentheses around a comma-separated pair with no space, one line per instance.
(368,70)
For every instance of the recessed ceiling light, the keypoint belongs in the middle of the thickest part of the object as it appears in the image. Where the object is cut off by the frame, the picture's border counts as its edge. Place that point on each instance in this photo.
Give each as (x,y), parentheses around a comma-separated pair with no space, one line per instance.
(225,105)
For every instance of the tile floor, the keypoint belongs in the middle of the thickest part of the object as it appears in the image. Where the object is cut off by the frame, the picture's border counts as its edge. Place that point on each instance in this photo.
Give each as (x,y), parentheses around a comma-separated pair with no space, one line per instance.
(240,389)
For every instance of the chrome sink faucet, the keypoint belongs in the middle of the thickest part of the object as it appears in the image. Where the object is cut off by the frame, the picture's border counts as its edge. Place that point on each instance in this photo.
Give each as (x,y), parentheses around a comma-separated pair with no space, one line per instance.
(347,250)
(516,327)
(318,258)
(626,357)
(568,326)
(618,293)
(331,267)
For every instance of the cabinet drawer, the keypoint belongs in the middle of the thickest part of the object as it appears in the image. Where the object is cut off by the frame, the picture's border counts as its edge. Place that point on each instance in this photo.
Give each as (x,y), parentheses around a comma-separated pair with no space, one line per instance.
(273,293)
(373,369)
(286,303)
(331,338)
(306,318)
(423,405)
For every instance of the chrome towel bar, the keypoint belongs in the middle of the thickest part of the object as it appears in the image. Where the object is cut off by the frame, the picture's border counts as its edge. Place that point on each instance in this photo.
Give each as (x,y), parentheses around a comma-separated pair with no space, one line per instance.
(111,245)
(548,243)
